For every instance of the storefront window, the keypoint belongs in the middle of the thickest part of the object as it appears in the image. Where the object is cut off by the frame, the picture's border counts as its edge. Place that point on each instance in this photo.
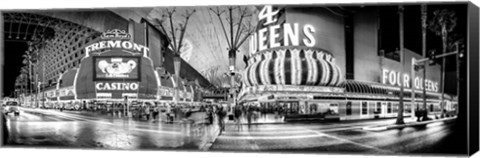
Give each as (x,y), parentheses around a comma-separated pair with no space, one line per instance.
(313,108)
(333,109)
(389,108)
(364,108)
(395,107)
(349,108)
(379,107)
(407,108)
(371,107)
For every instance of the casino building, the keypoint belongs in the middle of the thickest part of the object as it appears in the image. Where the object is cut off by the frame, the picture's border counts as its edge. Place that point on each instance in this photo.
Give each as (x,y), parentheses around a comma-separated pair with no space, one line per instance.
(311,63)
(129,60)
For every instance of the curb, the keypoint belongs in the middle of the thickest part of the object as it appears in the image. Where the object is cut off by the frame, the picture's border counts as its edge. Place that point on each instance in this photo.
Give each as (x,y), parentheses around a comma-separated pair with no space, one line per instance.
(387,127)
(209,144)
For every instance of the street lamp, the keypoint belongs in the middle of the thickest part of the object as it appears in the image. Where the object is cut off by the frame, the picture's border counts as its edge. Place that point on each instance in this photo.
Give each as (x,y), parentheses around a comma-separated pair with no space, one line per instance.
(232,74)
(177,63)
(431,58)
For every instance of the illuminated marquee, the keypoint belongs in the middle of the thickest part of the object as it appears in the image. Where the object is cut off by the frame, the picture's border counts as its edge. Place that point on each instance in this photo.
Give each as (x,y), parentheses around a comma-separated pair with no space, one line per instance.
(116,39)
(268,37)
(116,68)
(116,86)
(394,78)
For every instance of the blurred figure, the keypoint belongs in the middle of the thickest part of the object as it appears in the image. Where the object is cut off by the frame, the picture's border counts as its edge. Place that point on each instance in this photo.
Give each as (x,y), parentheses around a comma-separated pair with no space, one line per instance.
(156,111)
(147,111)
(221,118)
(249,113)
(5,130)
(238,114)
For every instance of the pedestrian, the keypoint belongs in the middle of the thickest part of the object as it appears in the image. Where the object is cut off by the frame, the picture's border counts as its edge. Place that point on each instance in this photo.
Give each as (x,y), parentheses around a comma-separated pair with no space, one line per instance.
(156,111)
(418,114)
(5,130)
(221,118)
(140,112)
(237,114)
(249,115)
(147,112)
(209,117)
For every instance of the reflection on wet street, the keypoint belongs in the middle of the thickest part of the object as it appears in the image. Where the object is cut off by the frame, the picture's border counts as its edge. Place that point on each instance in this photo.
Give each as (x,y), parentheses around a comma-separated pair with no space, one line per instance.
(38,127)
(50,128)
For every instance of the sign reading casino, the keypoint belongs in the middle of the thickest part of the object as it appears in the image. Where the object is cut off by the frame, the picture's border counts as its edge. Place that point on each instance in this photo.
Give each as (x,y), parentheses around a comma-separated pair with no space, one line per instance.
(115,39)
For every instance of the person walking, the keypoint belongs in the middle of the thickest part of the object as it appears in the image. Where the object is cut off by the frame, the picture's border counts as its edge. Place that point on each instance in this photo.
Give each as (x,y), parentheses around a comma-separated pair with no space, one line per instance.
(249,113)
(238,114)
(155,113)
(221,113)
(147,112)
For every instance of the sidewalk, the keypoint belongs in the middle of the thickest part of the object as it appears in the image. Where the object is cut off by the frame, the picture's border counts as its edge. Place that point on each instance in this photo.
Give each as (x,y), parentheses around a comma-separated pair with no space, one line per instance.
(409,122)
(259,119)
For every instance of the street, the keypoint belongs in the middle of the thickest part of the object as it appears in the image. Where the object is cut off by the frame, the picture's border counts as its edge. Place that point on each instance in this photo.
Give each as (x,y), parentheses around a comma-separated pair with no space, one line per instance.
(340,137)
(70,129)
(51,128)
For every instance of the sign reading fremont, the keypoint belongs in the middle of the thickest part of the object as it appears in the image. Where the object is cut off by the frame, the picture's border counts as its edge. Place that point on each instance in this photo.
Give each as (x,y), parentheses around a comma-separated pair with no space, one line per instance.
(115,39)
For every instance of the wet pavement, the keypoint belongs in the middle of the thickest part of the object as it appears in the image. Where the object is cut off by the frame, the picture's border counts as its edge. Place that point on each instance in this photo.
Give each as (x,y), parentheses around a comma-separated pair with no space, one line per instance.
(71,129)
(341,137)
(52,128)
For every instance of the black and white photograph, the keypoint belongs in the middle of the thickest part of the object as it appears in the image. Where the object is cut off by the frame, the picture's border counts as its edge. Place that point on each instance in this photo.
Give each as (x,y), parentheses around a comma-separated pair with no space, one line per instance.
(368,79)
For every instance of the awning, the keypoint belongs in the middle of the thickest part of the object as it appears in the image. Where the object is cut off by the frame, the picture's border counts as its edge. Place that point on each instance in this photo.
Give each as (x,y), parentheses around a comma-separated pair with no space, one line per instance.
(363,88)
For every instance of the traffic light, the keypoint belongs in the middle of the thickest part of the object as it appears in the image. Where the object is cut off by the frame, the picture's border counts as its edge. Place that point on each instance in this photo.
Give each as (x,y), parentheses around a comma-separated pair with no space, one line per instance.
(418,67)
(431,57)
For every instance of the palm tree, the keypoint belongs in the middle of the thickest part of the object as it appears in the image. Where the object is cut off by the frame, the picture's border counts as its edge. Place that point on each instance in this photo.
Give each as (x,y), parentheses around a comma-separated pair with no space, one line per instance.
(27,61)
(442,23)
(402,60)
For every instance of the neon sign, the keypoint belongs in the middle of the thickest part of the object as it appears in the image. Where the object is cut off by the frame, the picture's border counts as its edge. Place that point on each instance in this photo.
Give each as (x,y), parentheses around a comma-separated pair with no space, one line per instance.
(116,86)
(116,39)
(269,37)
(394,78)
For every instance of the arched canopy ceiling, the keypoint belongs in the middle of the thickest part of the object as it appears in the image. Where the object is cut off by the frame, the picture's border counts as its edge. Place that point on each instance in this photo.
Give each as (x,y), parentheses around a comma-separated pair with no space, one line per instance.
(25,27)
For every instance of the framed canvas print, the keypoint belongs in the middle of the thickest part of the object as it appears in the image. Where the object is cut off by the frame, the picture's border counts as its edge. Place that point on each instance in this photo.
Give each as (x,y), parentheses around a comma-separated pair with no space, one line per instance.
(372,79)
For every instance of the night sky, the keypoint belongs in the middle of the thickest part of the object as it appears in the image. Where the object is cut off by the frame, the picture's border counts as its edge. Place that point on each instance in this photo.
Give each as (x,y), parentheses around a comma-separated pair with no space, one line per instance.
(15,48)
(13,63)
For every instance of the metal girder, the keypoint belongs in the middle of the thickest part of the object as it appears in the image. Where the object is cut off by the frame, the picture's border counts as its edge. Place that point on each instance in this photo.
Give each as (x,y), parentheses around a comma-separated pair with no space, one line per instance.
(59,26)
(64,37)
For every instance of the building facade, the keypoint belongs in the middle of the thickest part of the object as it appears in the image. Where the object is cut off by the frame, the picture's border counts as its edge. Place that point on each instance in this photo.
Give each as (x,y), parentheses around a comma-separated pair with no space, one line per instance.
(69,73)
(320,63)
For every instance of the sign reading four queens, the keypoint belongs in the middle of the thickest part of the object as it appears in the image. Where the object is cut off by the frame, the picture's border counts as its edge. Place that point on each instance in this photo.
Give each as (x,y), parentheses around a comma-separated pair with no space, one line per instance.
(115,39)
(269,37)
